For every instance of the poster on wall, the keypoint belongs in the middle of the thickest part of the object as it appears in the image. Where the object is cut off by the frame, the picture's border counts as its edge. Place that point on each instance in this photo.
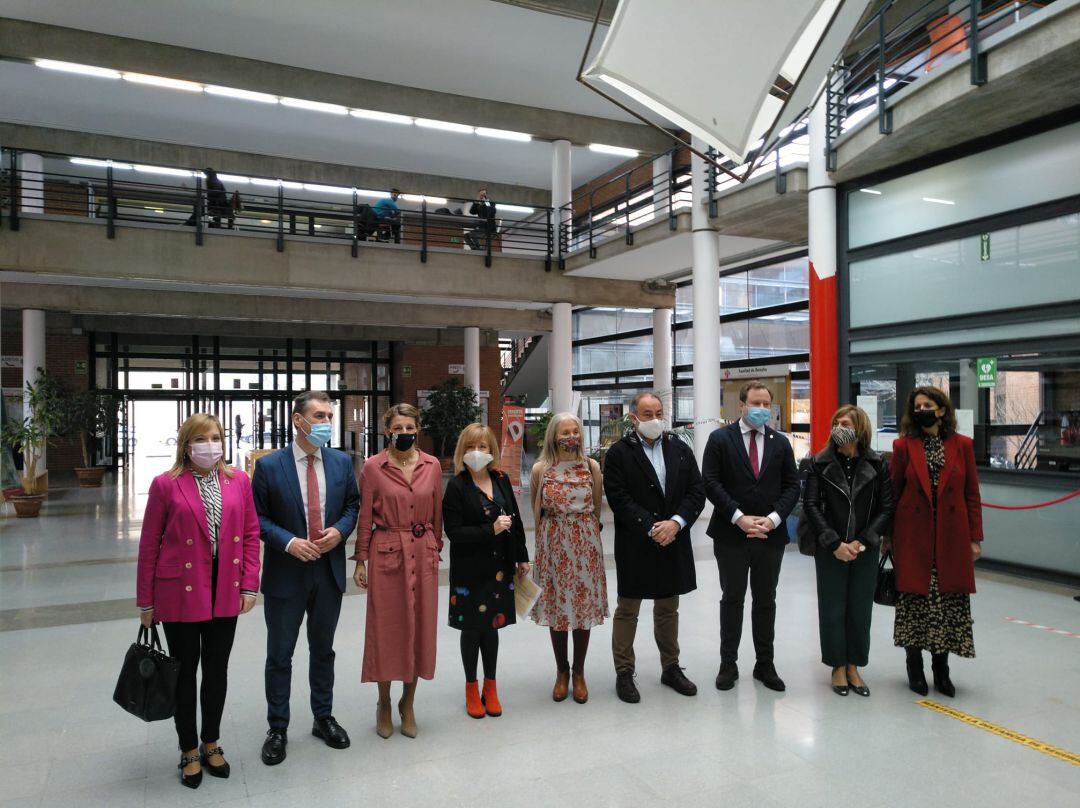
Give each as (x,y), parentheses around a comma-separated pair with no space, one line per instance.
(512,442)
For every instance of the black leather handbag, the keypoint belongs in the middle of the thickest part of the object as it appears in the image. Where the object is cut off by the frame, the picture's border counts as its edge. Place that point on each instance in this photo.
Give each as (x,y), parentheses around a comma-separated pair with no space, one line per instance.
(147,684)
(885,591)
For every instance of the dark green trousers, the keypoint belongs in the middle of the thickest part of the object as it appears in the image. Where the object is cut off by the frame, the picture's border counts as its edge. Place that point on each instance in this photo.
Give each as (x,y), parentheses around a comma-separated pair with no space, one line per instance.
(845,602)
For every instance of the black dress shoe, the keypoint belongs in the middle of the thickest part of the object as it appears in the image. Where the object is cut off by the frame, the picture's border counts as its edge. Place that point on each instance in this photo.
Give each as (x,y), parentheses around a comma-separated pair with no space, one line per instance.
(942,682)
(273,749)
(189,780)
(674,678)
(725,679)
(765,673)
(331,732)
(841,690)
(204,757)
(915,676)
(625,688)
(861,690)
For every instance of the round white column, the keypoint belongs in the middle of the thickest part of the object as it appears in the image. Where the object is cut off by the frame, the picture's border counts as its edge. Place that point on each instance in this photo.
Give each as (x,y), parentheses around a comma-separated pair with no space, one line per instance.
(472,359)
(561,186)
(31,183)
(561,358)
(33,348)
(706,285)
(661,340)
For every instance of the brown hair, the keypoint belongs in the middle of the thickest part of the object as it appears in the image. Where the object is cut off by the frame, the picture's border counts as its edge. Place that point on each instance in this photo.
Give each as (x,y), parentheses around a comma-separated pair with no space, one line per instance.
(197,423)
(471,434)
(404,410)
(861,421)
(300,403)
(908,426)
(754,384)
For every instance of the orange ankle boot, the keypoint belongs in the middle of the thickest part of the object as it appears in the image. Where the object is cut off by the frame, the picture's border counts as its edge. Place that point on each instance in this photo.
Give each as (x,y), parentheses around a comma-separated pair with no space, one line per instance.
(491,699)
(473,705)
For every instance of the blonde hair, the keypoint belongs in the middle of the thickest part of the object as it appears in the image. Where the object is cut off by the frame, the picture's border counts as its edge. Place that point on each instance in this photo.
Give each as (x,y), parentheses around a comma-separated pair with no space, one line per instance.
(196,424)
(549,452)
(861,421)
(474,433)
(403,410)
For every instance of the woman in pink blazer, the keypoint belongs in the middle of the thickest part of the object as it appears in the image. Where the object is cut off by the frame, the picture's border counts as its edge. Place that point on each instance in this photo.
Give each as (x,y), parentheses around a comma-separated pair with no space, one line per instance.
(198,569)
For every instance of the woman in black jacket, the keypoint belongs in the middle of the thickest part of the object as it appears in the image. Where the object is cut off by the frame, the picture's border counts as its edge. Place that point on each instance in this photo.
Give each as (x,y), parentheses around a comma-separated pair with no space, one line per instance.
(848,503)
(487,546)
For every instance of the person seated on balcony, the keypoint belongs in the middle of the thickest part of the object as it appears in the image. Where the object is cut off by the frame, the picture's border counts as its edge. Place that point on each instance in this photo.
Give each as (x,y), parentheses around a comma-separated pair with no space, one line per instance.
(389,215)
(484,210)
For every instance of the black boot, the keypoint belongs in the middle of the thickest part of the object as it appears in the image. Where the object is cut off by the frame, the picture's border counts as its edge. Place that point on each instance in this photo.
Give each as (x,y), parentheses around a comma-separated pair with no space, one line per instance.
(939,663)
(915,676)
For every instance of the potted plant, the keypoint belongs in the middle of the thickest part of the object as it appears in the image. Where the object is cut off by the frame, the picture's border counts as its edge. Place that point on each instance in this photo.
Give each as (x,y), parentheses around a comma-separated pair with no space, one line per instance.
(451,408)
(45,402)
(89,414)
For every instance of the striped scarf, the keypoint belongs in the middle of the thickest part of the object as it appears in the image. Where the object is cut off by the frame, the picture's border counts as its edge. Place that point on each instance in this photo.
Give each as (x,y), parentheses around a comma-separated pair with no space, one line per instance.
(210,492)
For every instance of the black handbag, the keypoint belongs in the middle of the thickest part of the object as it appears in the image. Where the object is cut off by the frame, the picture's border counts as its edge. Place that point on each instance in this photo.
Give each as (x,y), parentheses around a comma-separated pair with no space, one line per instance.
(805,536)
(885,591)
(147,684)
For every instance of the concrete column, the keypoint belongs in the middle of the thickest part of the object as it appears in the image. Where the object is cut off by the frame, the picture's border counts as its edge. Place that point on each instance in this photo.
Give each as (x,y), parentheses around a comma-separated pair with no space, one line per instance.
(472,359)
(824,338)
(663,183)
(32,181)
(661,341)
(561,185)
(561,358)
(33,341)
(706,284)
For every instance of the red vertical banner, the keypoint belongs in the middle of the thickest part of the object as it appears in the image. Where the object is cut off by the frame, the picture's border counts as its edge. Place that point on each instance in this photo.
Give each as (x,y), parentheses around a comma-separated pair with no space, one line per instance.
(824,382)
(512,443)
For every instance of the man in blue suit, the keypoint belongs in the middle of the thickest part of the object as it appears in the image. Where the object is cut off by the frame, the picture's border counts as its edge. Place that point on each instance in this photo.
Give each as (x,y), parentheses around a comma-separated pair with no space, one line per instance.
(307,500)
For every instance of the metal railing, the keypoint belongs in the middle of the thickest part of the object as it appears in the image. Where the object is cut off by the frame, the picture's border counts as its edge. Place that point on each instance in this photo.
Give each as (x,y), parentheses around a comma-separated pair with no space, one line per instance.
(936,32)
(117,194)
(1027,453)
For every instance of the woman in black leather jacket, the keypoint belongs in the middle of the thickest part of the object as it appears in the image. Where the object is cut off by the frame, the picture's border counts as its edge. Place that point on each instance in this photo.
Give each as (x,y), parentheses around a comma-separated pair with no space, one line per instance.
(848,503)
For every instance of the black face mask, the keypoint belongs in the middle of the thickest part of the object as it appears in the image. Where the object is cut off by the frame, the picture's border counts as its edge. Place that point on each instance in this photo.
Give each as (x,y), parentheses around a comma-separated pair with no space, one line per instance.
(402,441)
(926,418)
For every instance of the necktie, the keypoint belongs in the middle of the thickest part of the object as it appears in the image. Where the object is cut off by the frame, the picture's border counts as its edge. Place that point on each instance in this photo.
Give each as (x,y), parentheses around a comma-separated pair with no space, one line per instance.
(314,512)
(753,453)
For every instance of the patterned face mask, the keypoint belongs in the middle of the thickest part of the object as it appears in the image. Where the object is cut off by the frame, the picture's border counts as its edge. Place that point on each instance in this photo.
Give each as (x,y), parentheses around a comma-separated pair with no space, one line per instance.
(569,444)
(843,435)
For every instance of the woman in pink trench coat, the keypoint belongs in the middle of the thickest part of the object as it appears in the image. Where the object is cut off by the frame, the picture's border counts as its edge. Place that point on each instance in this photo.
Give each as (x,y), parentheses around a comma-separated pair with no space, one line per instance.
(400,533)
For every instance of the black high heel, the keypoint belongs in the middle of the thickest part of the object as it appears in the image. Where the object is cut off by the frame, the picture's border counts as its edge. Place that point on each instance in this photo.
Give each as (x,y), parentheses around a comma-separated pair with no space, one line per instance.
(915,675)
(204,757)
(939,664)
(189,780)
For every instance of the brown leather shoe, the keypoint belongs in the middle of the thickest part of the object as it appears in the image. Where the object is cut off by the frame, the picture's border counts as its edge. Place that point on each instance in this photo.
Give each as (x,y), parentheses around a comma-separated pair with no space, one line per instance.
(581,692)
(562,686)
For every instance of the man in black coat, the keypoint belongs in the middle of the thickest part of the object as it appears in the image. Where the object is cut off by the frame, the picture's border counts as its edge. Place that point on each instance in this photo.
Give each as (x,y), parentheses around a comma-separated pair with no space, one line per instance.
(751,480)
(655,492)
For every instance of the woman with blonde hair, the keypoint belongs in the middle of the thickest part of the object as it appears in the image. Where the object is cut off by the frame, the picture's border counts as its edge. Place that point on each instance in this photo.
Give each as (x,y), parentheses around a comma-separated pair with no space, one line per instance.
(566,490)
(198,569)
(848,503)
(487,547)
(400,532)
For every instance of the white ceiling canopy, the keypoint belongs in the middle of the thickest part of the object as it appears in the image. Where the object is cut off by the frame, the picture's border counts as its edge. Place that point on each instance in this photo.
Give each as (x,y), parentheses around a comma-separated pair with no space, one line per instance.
(730,73)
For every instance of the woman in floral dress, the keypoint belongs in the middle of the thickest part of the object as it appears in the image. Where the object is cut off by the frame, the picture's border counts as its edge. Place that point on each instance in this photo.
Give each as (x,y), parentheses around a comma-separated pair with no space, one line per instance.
(566,491)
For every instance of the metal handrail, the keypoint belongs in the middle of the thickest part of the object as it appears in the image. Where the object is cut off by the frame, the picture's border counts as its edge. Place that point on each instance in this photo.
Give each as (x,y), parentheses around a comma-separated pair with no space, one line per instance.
(1028,452)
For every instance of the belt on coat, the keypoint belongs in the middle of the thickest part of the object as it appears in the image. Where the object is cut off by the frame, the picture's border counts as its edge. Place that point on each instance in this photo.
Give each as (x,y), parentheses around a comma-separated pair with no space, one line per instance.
(418,529)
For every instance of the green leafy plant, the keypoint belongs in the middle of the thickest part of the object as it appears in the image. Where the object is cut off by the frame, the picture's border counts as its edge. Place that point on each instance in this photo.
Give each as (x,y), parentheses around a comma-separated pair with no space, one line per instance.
(88,415)
(451,408)
(45,404)
(538,428)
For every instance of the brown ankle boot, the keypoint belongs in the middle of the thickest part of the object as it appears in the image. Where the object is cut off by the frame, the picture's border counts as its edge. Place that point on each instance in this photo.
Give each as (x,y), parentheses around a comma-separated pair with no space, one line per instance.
(491,699)
(581,692)
(473,705)
(562,686)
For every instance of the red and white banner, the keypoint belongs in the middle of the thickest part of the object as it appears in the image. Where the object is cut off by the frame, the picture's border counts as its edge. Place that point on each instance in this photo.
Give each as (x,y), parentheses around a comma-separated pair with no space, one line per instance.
(512,443)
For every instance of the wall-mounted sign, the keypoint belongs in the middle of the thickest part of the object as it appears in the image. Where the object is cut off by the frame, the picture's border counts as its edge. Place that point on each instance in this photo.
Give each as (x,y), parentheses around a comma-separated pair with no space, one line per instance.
(81,367)
(406,371)
(986,369)
(984,247)
(11,361)
(755,372)
(456,370)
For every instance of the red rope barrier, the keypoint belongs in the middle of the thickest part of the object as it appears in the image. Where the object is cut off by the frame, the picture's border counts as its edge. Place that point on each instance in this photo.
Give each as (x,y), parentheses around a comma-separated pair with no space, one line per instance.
(1032,507)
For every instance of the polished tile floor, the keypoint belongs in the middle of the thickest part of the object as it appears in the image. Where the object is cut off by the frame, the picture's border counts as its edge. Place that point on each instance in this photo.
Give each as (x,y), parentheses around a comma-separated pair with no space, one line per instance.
(66,617)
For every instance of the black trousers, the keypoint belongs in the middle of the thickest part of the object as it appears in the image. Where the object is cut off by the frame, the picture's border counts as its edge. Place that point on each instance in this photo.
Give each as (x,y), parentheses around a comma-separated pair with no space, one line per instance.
(209,642)
(845,591)
(320,600)
(759,561)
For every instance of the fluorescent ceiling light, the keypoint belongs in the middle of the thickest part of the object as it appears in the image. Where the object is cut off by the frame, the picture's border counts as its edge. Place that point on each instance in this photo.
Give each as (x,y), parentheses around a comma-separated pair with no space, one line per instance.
(86,161)
(161,81)
(296,186)
(315,106)
(503,134)
(373,194)
(327,189)
(84,70)
(870,191)
(938,201)
(172,172)
(620,151)
(435,200)
(243,95)
(514,209)
(276,183)
(236,179)
(375,115)
(445,126)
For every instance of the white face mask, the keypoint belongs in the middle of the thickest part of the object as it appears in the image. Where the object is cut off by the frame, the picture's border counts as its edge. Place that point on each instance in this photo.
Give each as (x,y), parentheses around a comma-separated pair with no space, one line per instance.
(477,461)
(651,430)
(206,454)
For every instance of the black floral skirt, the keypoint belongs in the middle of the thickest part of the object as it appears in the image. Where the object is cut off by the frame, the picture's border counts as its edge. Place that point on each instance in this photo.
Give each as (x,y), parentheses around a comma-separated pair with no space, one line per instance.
(939,622)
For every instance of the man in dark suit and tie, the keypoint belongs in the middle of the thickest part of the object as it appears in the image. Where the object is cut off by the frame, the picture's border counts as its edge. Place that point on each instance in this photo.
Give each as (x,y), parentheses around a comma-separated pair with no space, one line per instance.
(654,489)
(308,503)
(751,480)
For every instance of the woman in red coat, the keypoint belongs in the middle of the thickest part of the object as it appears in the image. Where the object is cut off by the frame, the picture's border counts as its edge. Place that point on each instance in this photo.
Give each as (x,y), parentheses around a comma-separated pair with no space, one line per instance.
(936,537)
(198,569)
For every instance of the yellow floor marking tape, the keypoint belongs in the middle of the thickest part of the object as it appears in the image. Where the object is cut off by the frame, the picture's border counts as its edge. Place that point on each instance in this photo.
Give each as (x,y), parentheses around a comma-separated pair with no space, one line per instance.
(1007,734)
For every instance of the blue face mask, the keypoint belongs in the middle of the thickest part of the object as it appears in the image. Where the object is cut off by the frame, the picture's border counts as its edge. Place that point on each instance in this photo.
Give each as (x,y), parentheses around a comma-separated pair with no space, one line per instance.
(758,416)
(320,434)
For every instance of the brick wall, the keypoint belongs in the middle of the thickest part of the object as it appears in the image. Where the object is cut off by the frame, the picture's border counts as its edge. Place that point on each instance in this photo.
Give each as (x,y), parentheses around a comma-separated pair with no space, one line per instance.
(62,351)
(429,364)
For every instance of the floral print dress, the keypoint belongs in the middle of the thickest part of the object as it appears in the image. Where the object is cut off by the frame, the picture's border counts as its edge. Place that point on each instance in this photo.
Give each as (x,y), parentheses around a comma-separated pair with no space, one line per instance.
(569,562)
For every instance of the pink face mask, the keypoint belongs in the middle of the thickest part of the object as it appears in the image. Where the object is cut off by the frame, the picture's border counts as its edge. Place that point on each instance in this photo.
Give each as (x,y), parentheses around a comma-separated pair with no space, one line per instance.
(205,455)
